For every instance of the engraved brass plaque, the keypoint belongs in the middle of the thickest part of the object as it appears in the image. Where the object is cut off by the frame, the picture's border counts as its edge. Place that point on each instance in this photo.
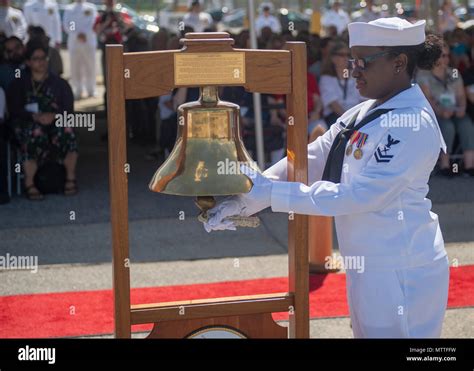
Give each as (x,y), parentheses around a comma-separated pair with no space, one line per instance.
(209,68)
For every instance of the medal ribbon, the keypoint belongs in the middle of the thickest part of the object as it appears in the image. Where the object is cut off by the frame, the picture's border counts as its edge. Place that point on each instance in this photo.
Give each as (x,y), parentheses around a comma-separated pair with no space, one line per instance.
(361,139)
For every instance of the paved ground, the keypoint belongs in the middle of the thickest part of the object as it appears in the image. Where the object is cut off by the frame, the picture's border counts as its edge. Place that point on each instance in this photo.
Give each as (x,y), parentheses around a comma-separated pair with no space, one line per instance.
(75,254)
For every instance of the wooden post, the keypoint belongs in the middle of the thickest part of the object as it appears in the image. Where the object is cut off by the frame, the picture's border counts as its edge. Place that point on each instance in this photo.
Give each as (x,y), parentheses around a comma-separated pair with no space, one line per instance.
(297,152)
(151,74)
(320,236)
(118,188)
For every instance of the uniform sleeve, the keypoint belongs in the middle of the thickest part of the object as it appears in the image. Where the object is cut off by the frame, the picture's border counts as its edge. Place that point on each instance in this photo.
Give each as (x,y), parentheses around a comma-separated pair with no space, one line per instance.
(317,154)
(57,37)
(386,175)
(21,32)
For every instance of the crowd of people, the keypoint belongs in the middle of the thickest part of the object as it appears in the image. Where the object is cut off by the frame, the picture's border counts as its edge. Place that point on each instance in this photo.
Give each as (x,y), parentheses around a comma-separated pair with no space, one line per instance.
(32,91)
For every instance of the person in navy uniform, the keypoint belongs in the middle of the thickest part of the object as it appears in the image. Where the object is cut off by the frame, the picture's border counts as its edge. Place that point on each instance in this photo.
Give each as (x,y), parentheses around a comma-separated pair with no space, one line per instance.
(370,171)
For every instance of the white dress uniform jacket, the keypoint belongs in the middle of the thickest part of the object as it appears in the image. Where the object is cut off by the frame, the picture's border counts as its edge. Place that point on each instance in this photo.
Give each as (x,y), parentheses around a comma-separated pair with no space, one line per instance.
(44,13)
(340,19)
(12,22)
(382,214)
(380,206)
(79,18)
(270,21)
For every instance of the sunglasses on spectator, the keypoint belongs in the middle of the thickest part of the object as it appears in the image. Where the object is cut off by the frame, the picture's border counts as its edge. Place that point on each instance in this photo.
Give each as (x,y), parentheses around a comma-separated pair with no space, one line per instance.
(361,63)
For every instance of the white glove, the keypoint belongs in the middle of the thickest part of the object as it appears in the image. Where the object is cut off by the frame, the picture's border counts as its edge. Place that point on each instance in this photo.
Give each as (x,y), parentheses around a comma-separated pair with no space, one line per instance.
(245,204)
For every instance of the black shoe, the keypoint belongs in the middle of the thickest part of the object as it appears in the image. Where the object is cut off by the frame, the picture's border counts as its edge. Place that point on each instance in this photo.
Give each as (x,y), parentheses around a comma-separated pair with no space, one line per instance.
(4,198)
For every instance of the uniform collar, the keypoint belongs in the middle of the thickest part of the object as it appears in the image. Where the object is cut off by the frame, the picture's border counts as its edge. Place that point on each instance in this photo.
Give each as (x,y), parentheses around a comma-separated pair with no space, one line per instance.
(408,98)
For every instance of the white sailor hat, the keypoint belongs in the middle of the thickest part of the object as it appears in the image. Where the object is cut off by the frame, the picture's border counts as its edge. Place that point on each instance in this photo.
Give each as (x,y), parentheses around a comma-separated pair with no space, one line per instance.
(386,32)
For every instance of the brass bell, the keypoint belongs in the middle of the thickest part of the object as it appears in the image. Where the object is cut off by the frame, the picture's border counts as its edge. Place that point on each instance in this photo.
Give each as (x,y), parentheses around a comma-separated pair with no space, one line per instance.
(206,157)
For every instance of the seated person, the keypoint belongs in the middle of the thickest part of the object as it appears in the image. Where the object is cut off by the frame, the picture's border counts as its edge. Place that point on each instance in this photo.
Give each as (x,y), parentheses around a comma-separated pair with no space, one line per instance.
(338,89)
(33,102)
(445,90)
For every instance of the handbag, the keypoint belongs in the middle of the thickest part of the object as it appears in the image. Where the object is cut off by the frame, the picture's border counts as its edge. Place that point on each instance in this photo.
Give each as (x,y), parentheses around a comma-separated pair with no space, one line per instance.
(50,176)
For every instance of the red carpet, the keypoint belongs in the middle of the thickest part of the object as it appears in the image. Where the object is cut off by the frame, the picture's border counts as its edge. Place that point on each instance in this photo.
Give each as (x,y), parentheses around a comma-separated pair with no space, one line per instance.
(91,312)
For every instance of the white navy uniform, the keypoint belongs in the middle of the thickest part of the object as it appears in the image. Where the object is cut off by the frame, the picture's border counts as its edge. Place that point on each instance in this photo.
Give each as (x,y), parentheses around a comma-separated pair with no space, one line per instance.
(340,19)
(380,207)
(80,17)
(270,21)
(44,13)
(382,213)
(12,22)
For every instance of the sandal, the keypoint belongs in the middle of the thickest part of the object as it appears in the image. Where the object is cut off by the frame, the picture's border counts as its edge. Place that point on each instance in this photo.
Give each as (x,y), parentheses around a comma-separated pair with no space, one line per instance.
(70,190)
(33,194)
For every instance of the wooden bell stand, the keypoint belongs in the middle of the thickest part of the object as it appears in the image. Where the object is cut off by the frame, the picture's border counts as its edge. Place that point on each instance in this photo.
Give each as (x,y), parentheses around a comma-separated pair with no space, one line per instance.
(151,74)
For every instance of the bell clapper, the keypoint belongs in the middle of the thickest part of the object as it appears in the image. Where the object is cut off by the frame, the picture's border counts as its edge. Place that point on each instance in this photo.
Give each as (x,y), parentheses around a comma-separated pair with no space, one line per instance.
(205,203)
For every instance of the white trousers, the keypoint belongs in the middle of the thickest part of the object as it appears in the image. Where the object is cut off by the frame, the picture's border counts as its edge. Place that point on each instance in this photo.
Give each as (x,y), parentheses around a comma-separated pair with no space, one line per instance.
(83,73)
(403,303)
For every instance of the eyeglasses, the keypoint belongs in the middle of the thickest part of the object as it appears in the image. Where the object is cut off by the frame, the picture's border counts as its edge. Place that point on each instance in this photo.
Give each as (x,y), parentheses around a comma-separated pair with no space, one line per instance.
(361,63)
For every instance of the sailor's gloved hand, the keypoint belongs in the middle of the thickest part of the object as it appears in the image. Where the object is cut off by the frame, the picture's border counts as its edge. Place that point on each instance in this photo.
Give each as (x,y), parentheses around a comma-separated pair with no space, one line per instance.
(245,204)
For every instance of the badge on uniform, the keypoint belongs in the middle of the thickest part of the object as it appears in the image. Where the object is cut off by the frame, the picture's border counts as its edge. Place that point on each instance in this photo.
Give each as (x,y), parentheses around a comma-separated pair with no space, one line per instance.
(382,153)
(359,139)
(87,12)
(50,11)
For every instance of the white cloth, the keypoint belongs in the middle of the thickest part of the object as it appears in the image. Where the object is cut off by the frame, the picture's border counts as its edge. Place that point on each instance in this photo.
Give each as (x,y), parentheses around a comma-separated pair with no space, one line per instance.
(332,90)
(245,204)
(83,69)
(270,21)
(44,13)
(391,31)
(340,19)
(199,22)
(12,22)
(379,206)
(400,303)
(79,18)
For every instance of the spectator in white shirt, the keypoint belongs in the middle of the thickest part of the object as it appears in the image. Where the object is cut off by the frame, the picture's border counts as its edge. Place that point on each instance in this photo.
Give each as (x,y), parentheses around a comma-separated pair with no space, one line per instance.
(12,21)
(45,13)
(266,19)
(196,18)
(336,16)
(338,89)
